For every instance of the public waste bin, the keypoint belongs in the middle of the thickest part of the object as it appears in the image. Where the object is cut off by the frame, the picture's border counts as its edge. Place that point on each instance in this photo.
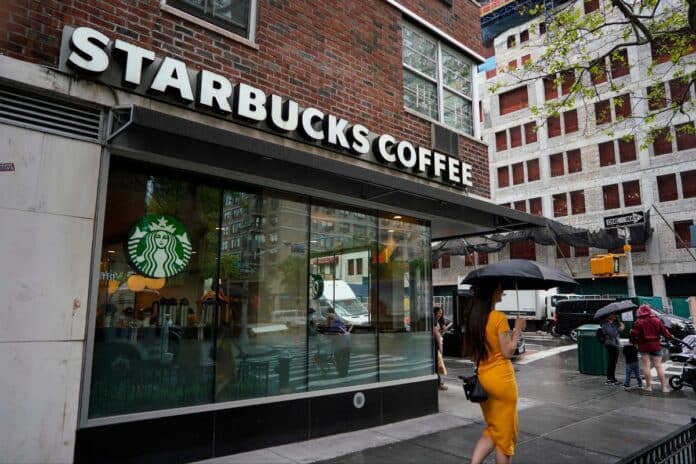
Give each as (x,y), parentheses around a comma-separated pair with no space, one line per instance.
(592,356)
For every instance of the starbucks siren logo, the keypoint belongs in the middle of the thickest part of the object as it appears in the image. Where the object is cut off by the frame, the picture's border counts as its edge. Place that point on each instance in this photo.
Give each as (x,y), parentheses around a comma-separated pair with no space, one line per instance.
(159,246)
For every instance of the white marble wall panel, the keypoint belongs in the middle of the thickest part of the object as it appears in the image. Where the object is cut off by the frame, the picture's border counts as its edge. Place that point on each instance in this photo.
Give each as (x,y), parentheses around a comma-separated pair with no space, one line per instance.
(52,174)
(39,394)
(45,267)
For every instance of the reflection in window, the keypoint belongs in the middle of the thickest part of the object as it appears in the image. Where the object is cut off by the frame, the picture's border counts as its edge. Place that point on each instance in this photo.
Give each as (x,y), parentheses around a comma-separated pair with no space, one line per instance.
(262,307)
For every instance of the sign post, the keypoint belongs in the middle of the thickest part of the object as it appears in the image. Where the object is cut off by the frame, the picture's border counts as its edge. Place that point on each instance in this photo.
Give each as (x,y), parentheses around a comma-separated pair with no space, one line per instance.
(623,222)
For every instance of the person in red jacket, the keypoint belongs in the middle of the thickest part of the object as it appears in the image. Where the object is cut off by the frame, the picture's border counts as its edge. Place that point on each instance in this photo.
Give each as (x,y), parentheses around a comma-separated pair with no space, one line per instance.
(647,329)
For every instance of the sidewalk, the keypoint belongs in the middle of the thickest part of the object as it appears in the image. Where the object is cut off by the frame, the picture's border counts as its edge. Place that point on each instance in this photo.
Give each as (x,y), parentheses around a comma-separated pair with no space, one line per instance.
(565,417)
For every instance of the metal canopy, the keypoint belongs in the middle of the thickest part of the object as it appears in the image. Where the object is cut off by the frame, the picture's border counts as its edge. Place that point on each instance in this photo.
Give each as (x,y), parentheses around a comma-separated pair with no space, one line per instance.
(275,162)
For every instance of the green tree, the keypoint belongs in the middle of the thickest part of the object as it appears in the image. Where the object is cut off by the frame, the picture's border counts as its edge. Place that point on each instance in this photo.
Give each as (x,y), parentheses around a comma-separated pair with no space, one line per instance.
(581,50)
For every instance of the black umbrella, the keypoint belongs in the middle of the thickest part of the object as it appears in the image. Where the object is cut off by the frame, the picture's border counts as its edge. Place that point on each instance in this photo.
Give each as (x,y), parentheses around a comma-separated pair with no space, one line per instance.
(615,308)
(520,274)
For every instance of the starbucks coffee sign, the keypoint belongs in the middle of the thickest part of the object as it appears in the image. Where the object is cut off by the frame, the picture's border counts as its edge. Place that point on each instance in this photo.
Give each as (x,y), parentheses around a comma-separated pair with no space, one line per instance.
(117,63)
(159,246)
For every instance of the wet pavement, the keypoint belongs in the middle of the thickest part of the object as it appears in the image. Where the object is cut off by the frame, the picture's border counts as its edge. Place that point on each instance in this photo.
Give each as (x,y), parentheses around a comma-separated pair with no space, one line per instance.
(565,417)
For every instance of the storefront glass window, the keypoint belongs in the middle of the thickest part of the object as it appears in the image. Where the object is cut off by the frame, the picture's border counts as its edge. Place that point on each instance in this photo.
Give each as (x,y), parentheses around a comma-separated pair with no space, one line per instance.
(342,335)
(185,317)
(403,307)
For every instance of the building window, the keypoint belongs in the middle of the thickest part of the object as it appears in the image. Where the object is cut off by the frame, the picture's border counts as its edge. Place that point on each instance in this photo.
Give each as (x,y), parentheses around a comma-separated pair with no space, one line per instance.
(574,161)
(679,90)
(577,202)
(682,232)
(359,266)
(688,180)
(236,16)
(606,154)
(550,88)
(470,259)
(542,28)
(437,80)
(570,120)
(662,144)
(598,71)
(627,149)
(523,250)
(482,258)
(556,162)
(503,176)
(631,193)
(526,59)
(535,206)
(610,194)
(622,106)
(533,170)
(524,36)
(582,251)
(515,136)
(521,205)
(511,41)
(567,81)
(619,63)
(436,264)
(513,100)
(686,136)
(501,140)
(562,250)
(590,6)
(554,126)
(560,205)
(530,135)
(667,187)
(445,261)
(517,173)
(512,65)
(656,97)
(351,267)
(602,112)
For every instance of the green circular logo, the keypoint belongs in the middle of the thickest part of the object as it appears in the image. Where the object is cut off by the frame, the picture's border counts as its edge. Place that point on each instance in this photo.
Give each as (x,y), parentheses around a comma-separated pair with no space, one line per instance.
(159,246)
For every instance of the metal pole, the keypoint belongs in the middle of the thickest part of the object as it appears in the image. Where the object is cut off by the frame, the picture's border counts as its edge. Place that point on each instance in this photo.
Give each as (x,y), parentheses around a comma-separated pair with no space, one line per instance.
(629,265)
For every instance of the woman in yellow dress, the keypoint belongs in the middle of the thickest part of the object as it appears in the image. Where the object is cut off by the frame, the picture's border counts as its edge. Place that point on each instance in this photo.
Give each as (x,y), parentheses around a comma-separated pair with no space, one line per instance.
(488,338)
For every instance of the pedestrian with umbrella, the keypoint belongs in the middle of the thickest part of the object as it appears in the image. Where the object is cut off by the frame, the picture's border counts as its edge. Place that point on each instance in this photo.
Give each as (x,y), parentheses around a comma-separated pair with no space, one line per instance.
(489,341)
(611,328)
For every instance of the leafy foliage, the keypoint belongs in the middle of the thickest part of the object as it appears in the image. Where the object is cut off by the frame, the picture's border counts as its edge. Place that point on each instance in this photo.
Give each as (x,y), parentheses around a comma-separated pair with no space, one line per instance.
(586,55)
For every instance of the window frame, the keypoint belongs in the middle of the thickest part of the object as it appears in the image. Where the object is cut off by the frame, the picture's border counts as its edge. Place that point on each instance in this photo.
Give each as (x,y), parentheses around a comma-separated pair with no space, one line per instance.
(179,8)
(440,86)
(682,229)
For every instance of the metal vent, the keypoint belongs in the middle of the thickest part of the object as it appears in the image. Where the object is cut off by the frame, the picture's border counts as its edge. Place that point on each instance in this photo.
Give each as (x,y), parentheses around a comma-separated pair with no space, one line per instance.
(48,114)
(445,140)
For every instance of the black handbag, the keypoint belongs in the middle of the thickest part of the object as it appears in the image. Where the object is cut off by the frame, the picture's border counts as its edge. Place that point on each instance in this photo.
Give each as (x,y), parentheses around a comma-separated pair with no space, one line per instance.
(472,387)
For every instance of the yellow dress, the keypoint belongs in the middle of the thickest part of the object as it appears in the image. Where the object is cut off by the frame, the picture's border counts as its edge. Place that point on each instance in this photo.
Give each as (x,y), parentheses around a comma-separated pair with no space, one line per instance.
(497,378)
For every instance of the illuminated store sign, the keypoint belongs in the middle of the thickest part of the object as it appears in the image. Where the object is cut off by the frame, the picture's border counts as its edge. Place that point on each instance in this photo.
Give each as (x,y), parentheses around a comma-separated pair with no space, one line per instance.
(129,66)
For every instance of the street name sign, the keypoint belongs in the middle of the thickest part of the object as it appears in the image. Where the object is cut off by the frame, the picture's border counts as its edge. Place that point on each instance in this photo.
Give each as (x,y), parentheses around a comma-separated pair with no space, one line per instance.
(624,220)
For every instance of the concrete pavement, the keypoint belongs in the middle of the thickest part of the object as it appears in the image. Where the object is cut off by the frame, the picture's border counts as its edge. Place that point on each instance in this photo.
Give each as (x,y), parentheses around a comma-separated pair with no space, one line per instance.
(565,416)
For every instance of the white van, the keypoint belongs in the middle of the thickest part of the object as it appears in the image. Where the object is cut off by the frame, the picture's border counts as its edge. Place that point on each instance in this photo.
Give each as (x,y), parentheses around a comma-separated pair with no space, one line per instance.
(339,295)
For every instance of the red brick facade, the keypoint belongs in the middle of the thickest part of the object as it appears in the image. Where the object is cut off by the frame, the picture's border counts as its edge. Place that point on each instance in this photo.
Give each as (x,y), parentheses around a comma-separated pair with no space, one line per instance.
(342,57)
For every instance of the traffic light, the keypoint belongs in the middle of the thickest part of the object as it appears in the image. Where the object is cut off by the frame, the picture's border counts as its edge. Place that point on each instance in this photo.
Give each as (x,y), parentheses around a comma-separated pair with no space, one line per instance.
(605,264)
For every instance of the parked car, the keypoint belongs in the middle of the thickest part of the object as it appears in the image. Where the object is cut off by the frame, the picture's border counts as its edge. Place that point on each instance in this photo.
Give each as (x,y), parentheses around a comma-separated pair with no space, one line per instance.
(571,314)
(678,326)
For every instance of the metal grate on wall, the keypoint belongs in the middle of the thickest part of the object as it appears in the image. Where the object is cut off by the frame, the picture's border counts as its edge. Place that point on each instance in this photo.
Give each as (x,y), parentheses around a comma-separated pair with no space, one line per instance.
(46,114)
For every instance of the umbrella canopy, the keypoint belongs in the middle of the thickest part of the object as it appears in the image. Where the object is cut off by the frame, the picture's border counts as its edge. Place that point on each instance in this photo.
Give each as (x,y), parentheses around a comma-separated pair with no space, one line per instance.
(615,308)
(520,274)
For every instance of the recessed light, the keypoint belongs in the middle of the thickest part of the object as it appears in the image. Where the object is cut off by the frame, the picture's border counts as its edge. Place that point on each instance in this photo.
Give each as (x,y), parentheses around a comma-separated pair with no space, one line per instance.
(397,217)
(110,251)
(194,252)
(391,231)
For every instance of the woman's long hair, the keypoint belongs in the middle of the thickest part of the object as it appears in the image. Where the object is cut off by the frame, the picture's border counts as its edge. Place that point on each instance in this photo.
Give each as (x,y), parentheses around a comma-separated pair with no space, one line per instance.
(476,312)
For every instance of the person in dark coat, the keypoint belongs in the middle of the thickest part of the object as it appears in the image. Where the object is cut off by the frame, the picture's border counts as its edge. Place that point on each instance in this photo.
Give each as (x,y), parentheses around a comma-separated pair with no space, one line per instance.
(612,327)
(647,329)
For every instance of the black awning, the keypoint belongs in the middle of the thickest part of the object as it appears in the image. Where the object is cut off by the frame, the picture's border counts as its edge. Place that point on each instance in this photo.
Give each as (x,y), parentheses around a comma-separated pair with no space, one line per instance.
(275,162)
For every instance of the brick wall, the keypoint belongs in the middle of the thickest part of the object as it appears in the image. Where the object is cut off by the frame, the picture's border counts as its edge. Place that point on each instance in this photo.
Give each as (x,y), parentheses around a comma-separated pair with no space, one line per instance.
(341,57)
